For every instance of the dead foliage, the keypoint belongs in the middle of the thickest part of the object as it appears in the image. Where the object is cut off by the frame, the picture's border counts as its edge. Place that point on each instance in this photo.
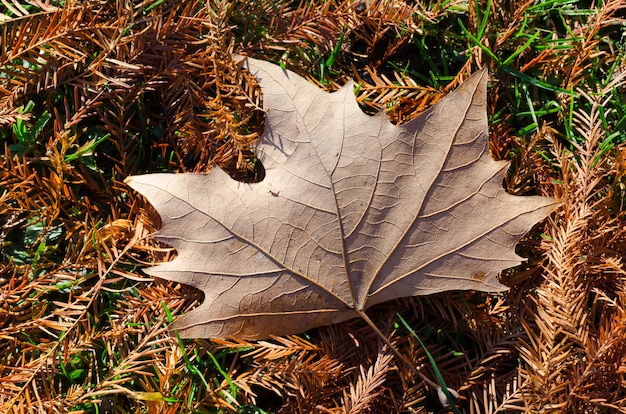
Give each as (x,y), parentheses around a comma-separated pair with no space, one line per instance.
(120,88)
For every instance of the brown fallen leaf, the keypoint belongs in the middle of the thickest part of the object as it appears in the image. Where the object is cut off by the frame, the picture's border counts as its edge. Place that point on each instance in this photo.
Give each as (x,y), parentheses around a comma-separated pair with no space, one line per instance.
(353,211)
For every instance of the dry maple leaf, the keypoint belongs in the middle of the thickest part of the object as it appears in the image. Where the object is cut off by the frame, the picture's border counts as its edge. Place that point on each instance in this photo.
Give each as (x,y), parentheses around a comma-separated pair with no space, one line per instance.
(353,211)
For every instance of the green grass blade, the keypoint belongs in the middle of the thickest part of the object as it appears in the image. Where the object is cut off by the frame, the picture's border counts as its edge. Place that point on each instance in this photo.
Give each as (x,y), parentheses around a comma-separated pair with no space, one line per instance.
(433,363)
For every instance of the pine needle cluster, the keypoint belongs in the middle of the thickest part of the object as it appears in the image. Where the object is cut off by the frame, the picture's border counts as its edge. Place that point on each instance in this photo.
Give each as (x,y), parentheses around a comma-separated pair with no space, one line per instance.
(94,91)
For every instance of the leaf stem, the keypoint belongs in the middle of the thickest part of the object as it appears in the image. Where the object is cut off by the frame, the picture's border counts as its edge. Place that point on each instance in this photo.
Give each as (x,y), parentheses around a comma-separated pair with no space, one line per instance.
(413,368)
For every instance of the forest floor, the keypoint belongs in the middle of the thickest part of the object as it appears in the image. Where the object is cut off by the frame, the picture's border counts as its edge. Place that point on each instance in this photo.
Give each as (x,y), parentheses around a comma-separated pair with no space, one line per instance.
(92,92)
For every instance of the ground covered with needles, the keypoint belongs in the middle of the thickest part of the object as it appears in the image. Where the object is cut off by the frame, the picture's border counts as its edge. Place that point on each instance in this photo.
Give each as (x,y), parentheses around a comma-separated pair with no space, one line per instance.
(94,91)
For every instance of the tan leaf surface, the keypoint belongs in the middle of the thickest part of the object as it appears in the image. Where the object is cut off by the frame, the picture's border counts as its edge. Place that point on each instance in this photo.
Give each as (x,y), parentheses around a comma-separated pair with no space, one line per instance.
(353,211)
